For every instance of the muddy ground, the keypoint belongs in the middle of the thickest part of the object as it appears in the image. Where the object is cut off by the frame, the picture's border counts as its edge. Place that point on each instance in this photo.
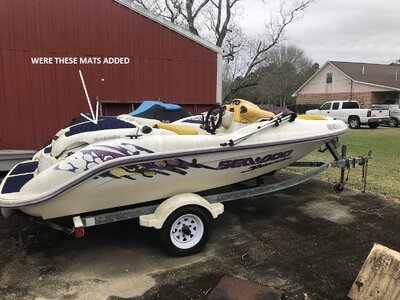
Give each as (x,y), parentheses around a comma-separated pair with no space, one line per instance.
(306,240)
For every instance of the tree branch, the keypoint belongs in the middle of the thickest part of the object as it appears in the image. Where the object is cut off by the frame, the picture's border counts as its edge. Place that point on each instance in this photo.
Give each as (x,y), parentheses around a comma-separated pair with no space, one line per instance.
(141,3)
(201,6)
(219,14)
(276,30)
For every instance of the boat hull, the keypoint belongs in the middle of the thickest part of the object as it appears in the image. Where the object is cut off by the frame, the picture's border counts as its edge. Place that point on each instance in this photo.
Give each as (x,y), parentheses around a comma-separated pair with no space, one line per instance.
(162,178)
(128,171)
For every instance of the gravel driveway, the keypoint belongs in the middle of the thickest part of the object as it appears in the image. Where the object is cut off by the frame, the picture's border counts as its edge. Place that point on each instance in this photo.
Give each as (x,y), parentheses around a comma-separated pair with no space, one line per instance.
(306,240)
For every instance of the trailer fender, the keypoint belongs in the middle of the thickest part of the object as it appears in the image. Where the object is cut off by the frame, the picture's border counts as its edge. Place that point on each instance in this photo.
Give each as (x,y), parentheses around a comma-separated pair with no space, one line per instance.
(162,212)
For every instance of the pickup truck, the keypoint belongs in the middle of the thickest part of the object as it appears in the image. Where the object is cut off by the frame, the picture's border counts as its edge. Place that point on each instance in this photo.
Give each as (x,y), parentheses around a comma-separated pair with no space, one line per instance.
(350,112)
(394,113)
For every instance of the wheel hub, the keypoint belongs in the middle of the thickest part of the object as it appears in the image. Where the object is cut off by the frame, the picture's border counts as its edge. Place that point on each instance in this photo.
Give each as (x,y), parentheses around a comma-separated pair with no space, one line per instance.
(187,231)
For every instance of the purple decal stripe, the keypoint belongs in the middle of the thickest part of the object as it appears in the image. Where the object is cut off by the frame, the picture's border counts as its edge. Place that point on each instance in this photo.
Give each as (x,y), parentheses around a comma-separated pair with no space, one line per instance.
(149,170)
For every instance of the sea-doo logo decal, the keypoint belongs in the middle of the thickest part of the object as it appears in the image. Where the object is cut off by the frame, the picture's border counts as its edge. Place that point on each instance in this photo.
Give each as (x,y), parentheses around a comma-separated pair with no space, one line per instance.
(106,138)
(255,163)
(252,168)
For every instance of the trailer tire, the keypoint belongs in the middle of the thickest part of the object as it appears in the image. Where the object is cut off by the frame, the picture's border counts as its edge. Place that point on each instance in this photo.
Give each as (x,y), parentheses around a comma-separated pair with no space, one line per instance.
(354,122)
(186,230)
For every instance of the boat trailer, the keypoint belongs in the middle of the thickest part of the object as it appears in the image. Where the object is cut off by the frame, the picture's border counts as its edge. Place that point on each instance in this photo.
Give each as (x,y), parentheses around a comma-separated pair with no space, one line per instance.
(185,219)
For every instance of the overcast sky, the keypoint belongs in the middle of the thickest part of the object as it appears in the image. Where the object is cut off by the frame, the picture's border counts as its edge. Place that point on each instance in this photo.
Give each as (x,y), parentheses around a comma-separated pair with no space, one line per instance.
(343,30)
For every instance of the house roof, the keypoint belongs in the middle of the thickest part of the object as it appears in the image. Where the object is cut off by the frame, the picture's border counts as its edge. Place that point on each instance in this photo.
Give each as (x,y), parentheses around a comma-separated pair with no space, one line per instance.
(144,12)
(374,74)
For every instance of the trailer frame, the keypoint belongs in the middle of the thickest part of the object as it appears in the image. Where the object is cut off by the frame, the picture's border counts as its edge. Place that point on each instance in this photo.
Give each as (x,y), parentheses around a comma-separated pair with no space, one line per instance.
(340,161)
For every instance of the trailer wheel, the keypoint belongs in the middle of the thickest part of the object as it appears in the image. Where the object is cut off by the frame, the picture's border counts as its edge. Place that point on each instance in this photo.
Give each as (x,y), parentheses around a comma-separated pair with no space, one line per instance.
(186,231)
(354,122)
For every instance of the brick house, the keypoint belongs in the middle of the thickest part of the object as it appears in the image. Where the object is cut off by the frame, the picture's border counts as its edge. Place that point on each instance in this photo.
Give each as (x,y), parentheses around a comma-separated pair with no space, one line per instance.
(364,82)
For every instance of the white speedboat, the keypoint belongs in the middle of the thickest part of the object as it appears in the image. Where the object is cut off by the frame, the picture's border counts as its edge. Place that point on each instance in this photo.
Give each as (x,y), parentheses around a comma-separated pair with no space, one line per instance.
(128,160)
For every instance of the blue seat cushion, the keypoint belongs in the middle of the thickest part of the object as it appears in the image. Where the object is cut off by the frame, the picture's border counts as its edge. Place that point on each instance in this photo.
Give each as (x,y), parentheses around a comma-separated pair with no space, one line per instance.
(102,124)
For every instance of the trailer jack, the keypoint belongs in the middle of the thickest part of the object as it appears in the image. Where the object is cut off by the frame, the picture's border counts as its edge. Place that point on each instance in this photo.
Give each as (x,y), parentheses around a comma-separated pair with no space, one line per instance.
(346,163)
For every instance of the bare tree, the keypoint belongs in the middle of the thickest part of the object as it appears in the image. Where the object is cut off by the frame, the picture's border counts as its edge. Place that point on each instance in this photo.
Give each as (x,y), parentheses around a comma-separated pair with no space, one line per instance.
(274,31)
(218,16)
(184,12)
(191,13)
(285,69)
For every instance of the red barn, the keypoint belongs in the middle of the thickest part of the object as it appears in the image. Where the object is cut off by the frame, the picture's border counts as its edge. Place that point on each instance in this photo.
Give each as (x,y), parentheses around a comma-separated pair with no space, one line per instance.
(126,55)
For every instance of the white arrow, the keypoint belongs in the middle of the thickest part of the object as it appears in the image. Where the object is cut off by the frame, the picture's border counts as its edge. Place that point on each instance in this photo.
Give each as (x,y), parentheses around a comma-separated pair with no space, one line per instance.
(95,117)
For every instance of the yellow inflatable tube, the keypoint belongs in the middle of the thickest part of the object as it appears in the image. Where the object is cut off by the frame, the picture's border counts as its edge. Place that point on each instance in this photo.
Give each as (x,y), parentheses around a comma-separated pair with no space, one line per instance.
(312,117)
(247,112)
(177,128)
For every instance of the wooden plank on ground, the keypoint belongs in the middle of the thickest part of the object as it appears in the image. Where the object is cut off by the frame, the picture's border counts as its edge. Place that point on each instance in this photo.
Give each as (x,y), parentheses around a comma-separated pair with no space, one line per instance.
(379,277)
(233,288)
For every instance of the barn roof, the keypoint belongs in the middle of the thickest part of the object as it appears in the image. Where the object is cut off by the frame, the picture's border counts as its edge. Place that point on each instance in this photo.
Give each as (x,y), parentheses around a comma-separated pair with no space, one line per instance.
(144,12)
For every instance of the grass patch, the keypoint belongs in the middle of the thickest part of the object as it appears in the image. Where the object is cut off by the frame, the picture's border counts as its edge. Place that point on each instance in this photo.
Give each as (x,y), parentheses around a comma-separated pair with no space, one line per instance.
(383,169)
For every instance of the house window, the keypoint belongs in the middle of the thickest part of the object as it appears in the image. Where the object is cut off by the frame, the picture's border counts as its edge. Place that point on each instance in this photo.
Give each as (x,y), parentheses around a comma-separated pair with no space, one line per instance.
(329,77)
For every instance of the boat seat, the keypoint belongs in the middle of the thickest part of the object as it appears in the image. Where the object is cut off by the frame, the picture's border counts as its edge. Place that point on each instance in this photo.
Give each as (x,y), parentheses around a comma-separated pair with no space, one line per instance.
(104,124)
(177,128)
(89,132)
